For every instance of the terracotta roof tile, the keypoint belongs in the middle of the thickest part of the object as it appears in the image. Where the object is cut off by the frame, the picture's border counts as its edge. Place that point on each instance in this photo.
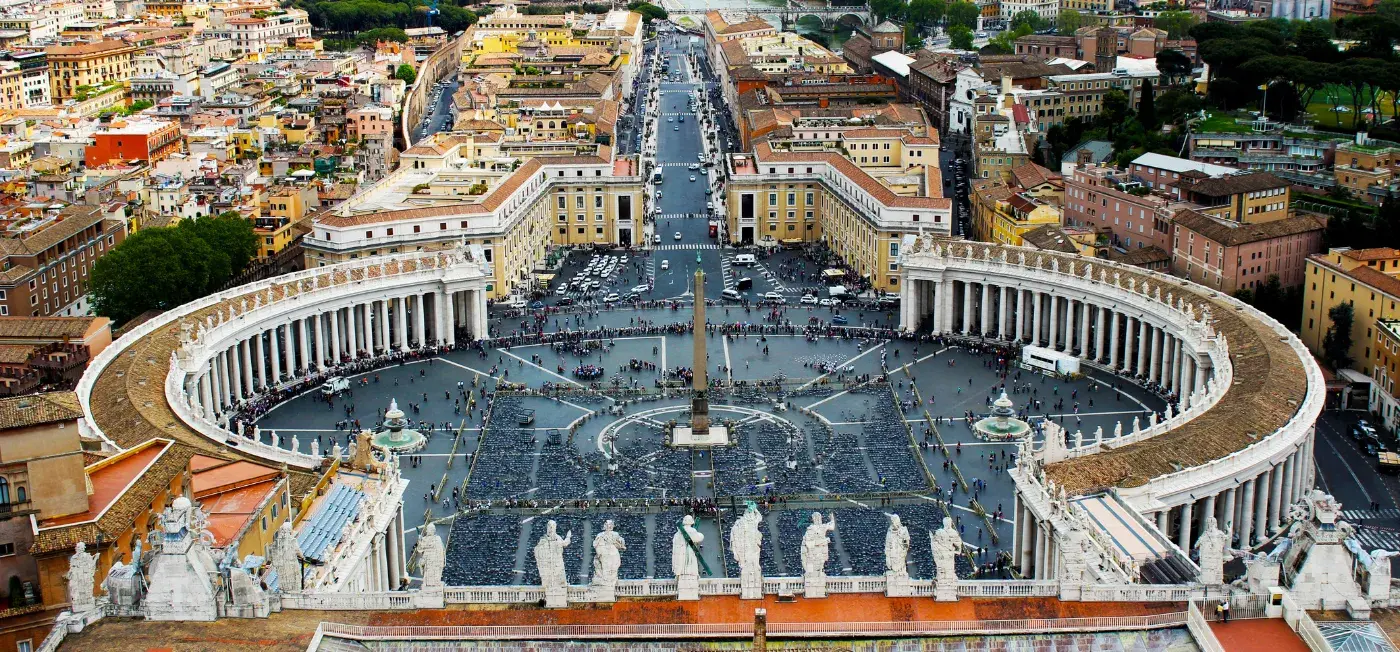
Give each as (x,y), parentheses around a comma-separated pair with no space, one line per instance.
(38,409)
(1232,235)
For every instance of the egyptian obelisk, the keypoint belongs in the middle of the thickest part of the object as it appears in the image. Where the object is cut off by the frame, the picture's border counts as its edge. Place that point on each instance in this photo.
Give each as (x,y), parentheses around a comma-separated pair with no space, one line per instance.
(699,400)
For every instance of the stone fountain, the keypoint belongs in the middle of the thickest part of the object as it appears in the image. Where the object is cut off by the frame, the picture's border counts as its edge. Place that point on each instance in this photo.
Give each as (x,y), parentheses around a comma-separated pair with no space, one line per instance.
(396,436)
(1002,424)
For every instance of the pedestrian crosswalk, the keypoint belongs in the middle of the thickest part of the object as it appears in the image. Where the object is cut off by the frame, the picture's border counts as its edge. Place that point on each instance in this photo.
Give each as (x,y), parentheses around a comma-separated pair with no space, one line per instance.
(676,164)
(1372,538)
(1354,515)
(681,216)
(771,277)
(682,247)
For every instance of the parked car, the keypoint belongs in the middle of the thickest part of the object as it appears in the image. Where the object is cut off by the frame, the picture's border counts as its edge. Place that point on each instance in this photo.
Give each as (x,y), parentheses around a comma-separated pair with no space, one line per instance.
(808,299)
(774,297)
(611,298)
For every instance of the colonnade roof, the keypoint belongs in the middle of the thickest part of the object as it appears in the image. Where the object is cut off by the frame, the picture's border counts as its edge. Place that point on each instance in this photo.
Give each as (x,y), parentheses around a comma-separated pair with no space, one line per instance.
(1270,379)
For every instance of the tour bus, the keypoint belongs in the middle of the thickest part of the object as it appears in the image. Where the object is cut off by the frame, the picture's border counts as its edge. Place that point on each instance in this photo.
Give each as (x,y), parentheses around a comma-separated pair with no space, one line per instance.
(1049,360)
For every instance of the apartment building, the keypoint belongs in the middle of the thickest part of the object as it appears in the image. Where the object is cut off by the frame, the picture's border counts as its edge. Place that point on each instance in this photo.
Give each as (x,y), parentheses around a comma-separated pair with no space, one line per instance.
(75,68)
(1365,165)
(1366,279)
(1384,399)
(138,138)
(1002,214)
(46,254)
(1235,256)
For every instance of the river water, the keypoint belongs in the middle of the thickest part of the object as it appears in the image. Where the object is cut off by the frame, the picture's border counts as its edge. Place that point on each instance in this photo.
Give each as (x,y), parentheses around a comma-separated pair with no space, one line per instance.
(808,25)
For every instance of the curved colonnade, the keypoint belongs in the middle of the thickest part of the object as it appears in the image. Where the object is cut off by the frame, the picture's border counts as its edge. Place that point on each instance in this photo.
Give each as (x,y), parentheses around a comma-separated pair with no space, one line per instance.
(1237,445)
(183,374)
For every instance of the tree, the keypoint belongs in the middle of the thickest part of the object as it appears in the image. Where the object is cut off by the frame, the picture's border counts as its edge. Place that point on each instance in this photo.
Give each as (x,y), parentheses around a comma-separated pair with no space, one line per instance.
(1175,23)
(1068,22)
(963,13)
(1173,65)
(913,41)
(1336,343)
(154,269)
(961,37)
(406,73)
(233,241)
(1115,111)
(1175,105)
(372,36)
(925,12)
(649,12)
(1027,18)
(1147,106)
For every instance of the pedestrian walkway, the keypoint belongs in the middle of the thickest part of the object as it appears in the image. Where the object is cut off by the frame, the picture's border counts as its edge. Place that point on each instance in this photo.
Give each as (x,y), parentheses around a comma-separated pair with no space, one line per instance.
(681,216)
(1372,538)
(682,247)
(1354,514)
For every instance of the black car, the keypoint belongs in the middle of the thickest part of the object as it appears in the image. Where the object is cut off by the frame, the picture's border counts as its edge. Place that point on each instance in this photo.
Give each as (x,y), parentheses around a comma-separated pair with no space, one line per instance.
(565,301)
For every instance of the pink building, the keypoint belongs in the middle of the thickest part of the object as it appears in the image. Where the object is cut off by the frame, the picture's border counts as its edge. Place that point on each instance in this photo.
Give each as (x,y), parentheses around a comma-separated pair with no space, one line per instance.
(369,121)
(1159,171)
(1106,200)
(1229,256)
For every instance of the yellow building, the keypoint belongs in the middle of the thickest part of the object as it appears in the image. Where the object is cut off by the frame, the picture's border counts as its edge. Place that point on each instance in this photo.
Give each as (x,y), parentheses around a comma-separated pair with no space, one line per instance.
(1002,215)
(791,192)
(285,206)
(1368,279)
(1362,165)
(74,67)
(246,502)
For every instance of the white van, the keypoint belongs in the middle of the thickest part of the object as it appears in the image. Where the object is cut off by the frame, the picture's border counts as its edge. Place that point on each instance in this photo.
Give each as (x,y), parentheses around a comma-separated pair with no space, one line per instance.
(745,260)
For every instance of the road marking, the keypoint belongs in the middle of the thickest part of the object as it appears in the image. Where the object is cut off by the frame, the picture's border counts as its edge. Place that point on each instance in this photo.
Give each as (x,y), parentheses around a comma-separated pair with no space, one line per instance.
(1354,477)
(839,367)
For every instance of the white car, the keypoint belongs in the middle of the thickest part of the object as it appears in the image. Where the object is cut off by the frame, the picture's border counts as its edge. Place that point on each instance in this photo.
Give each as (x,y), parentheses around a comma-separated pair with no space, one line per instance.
(826,303)
(809,299)
(692,177)
(639,289)
(678,235)
(611,298)
(563,289)
(665,264)
(774,297)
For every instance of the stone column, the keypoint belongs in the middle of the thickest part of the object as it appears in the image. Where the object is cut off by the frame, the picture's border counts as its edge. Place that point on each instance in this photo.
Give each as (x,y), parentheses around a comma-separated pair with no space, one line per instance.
(1183,535)
(1275,497)
(1027,547)
(221,390)
(1163,522)
(451,308)
(259,368)
(1227,515)
(482,329)
(1144,347)
(1113,340)
(967,308)
(289,356)
(347,336)
(206,394)
(1020,314)
(418,320)
(1040,550)
(1084,316)
(1261,505)
(1071,323)
(1035,326)
(984,324)
(1207,510)
(382,324)
(245,359)
(1054,303)
(336,326)
(1016,558)
(1004,309)
(275,353)
(393,556)
(1287,497)
(1246,519)
(320,346)
(1100,333)
(1298,465)
(303,344)
(401,323)
(1155,363)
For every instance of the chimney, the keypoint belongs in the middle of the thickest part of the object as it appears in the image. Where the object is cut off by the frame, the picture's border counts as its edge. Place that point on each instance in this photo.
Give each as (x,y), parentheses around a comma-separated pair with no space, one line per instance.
(1361,137)
(1005,84)
(760,630)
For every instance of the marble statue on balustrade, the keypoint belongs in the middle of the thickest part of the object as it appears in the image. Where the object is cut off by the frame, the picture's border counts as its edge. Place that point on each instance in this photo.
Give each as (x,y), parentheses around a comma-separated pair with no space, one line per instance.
(82,571)
(897,558)
(549,559)
(607,559)
(248,597)
(1212,547)
(181,577)
(124,586)
(947,545)
(432,557)
(685,559)
(815,551)
(362,452)
(285,557)
(745,543)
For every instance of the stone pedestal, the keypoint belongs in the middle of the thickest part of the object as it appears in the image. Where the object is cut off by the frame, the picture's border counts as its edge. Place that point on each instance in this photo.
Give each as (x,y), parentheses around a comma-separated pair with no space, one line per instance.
(751,588)
(897,585)
(556,597)
(602,593)
(814,585)
(945,589)
(688,587)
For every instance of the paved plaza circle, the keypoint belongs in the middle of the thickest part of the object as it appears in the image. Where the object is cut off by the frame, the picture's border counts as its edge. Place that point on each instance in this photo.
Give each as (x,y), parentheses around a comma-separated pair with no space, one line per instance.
(853,438)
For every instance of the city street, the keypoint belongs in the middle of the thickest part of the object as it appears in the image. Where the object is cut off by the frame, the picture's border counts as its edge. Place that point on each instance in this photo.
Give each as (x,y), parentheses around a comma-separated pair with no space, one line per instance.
(1350,475)
(441,111)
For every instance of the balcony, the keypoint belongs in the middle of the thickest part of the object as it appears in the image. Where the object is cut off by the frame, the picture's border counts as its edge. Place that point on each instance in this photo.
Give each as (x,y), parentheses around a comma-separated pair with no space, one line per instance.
(61,361)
